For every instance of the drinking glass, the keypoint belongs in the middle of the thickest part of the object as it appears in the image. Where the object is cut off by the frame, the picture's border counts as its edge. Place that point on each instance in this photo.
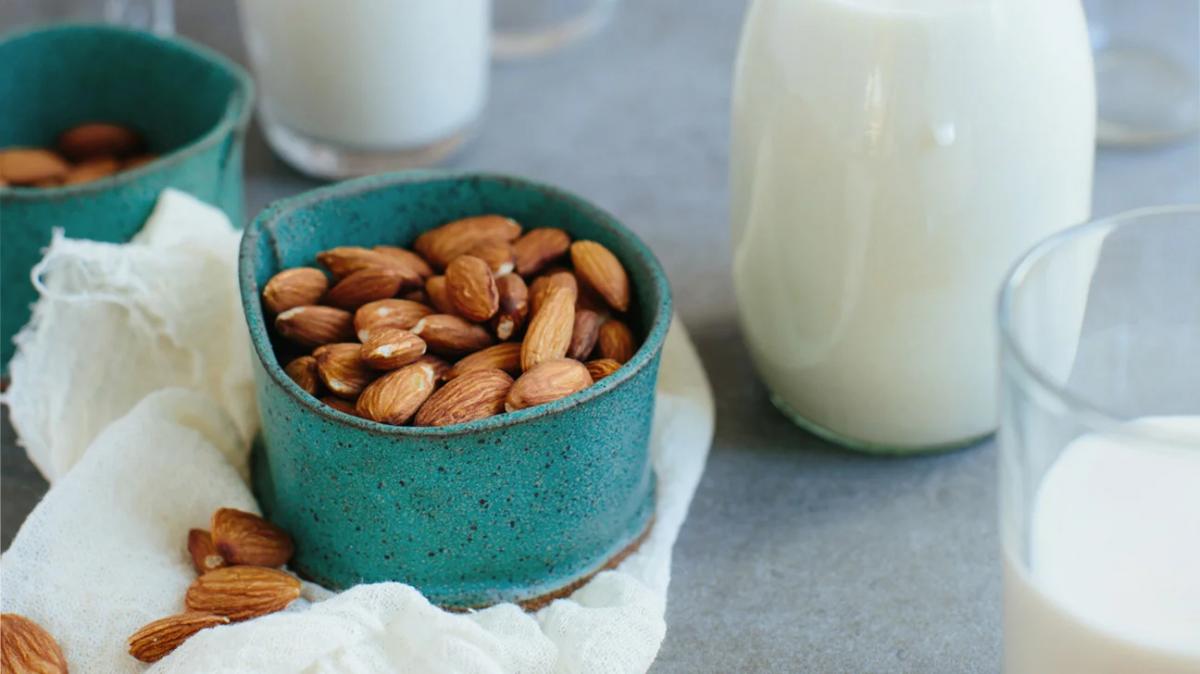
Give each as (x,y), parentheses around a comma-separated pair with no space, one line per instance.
(525,28)
(1100,448)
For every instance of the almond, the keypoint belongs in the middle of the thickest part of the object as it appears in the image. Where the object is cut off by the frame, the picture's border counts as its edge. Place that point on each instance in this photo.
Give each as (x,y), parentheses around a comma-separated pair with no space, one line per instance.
(242,592)
(599,268)
(601,368)
(312,325)
(417,295)
(92,169)
(366,285)
(395,397)
(538,248)
(439,294)
(155,641)
(498,255)
(475,395)
(615,341)
(342,370)
(584,334)
(90,140)
(245,538)
(27,648)
(345,260)
(341,405)
(549,333)
(514,306)
(505,356)
(293,288)
(205,556)
(390,348)
(546,382)
(407,260)
(303,371)
(441,245)
(541,286)
(450,335)
(388,313)
(138,160)
(472,288)
(26,166)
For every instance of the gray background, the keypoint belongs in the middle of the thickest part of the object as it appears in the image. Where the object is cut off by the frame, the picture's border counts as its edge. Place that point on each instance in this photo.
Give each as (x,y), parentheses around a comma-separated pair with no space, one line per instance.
(796,556)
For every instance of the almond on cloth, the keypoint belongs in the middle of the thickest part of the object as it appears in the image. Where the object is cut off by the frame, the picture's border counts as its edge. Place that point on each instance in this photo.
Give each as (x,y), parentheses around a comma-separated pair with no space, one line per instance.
(365,285)
(474,395)
(546,382)
(242,592)
(504,356)
(599,268)
(395,397)
(391,348)
(584,333)
(97,138)
(405,259)
(601,368)
(343,261)
(442,244)
(472,288)
(538,248)
(314,325)
(245,538)
(514,306)
(26,647)
(293,288)
(615,341)
(341,368)
(549,333)
(390,313)
(439,294)
(303,371)
(156,640)
(449,335)
(204,553)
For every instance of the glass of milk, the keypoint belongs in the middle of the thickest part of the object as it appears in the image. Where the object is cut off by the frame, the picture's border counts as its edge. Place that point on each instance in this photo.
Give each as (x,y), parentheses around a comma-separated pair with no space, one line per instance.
(1100,448)
(364,86)
(890,160)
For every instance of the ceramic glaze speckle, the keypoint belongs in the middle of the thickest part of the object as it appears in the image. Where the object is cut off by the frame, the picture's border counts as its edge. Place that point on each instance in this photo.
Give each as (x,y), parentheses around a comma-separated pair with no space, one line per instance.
(192,106)
(502,509)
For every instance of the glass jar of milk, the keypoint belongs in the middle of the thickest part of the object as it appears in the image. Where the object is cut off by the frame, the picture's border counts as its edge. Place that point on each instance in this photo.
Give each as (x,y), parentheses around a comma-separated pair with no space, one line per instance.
(363,86)
(890,160)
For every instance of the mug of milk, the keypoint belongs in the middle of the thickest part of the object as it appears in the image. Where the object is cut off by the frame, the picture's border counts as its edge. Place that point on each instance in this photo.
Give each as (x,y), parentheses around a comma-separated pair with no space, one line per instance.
(890,159)
(1100,448)
(366,86)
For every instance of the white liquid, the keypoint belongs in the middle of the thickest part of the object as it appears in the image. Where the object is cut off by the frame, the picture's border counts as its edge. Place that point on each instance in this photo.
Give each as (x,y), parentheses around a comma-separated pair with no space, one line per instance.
(370,74)
(891,159)
(1114,580)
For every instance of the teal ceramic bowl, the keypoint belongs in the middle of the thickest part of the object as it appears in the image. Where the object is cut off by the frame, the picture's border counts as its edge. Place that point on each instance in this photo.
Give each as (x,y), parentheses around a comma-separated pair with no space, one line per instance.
(190,104)
(518,507)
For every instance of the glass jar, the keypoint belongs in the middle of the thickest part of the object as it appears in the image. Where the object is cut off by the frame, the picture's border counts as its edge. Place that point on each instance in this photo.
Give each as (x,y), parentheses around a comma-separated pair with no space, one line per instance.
(890,159)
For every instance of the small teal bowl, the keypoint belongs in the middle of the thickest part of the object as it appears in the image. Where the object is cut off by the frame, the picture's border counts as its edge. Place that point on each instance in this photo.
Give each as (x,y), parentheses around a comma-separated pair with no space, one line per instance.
(189,103)
(519,507)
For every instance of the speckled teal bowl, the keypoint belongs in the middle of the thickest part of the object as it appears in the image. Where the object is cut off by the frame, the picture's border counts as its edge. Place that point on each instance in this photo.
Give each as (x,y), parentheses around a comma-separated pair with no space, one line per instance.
(191,104)
(517,507)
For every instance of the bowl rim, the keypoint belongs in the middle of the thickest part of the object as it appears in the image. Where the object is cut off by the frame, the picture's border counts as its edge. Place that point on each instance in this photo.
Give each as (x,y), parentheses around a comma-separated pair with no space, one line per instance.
(235,119)
(256,319)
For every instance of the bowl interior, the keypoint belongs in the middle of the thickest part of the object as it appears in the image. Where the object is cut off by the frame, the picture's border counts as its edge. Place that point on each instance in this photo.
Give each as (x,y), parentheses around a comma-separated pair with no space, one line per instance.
(168,90)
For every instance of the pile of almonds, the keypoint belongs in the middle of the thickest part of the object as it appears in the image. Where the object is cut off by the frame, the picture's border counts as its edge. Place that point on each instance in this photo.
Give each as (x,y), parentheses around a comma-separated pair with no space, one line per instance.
(478,319)
(84,153)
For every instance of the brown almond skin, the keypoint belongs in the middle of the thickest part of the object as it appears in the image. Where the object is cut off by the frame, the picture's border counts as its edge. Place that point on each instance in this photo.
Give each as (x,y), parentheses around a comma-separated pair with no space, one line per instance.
(472,288)
(549,333)
(138,160)
(242,592)
(345,260)
(303,371)
(538,248)
(514,307)
(615,341)
(26,647)
(26,166)
(505,356)
(391,348)
(204,553)
(342,370)
(596,266)
(601,368)
(451,336)
(392,313)
(546,382)
(158,639)
(97,138)
(341,405)
(498,255)
(584,334)
(541,286)
(312,325)
(294,288)
(475,395)
(439,295)
(92,169)
(394,398)
(365,285)
(407,260)
(418,295)
(245,538)
(439,246)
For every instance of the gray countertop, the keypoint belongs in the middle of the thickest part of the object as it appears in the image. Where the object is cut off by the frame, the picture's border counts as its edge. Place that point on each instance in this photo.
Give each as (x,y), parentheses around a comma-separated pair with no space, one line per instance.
(796,556)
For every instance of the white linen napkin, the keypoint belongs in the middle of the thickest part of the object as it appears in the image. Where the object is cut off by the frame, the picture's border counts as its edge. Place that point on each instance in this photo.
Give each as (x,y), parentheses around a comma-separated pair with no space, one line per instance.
(144,448)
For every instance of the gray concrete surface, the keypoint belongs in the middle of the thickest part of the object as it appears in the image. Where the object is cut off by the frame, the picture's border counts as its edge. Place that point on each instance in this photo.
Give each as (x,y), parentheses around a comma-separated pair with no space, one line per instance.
(797,557)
